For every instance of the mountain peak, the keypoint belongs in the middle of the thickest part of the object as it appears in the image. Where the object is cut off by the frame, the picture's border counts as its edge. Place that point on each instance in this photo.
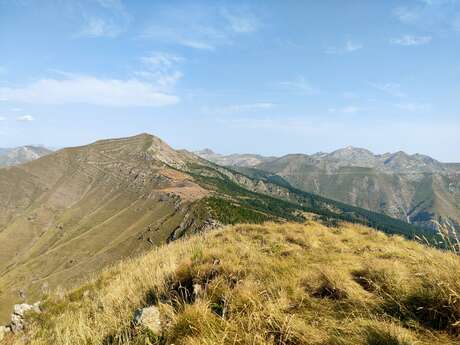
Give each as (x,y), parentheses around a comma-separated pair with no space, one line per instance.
(205,152)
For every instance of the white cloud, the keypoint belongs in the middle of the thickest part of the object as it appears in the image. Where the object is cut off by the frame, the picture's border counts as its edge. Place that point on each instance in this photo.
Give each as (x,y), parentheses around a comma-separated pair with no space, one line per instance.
(25,118)
(202,28)
(392,89)
(16,109)
(161,69)
(348,47)
(111,20)
(432,15)
(202,39)
(407,15)
(2,118)
(351,46)
(241,22)
(99,27)
(299,85)
(162,59)
(409,40)
(90,90)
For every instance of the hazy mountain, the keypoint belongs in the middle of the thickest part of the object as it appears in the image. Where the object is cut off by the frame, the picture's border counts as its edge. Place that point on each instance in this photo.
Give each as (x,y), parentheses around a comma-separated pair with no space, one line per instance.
(79,209)
(22,154)
(415,188)
(242,160)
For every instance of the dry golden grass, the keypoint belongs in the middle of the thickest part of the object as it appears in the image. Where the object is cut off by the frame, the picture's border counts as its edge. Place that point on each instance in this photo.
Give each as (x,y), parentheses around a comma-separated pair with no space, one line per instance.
(268,284)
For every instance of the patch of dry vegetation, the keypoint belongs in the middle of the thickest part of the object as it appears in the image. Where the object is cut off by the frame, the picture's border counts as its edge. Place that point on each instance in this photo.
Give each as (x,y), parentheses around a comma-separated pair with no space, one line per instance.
(268,284)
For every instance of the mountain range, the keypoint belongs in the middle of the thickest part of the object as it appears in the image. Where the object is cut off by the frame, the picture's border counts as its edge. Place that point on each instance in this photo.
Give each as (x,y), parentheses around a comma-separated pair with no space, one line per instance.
(22,154)
(74,211)
(414,188)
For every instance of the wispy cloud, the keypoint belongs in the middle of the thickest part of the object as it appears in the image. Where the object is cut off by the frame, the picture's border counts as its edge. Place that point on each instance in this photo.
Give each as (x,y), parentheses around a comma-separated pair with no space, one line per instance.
(240,108)
(25,118)
(299,85)
(109,20)
(202,38)
(241,21)
(89,90)
(112,4)
(202,28)
(410,40)
(413,107)
(2,118)
(348,47)
(99,27)
(161,69)
(392,89)
(432,15)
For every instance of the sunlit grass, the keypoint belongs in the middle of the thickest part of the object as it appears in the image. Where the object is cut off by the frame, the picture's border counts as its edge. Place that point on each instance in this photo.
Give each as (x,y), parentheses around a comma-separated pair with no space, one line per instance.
(268,284)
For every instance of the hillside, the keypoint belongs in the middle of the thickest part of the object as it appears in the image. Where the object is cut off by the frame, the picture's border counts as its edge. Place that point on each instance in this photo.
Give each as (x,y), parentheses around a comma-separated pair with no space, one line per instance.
(266,284)
(22,154)
(414,188)
(75,211)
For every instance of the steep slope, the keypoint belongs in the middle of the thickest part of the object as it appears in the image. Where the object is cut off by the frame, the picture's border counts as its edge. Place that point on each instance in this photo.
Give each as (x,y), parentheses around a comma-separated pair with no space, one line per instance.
(267,284)
(413,188)
(23,154)
(75,211)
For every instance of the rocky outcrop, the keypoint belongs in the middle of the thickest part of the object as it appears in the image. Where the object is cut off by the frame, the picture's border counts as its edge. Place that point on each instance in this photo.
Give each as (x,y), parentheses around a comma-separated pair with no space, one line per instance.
(18,321)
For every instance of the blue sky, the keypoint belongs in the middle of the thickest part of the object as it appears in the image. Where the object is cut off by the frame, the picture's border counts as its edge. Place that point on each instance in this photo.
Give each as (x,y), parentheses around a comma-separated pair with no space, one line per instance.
(271,77)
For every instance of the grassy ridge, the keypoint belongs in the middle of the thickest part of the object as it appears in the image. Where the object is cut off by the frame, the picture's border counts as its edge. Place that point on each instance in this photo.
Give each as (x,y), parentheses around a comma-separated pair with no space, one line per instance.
(268,284)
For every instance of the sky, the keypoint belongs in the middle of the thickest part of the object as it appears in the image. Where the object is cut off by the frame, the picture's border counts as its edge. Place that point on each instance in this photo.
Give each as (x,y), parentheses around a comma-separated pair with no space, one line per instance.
(268,77)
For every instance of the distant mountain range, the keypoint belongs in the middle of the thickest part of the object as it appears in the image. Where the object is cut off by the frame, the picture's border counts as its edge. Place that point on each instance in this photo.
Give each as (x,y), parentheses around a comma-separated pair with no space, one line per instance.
(22,154)
(77,210)
(414,188)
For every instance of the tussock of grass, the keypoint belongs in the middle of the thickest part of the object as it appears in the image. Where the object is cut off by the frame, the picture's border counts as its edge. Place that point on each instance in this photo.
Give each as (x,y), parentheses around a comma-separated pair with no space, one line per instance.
(266,284)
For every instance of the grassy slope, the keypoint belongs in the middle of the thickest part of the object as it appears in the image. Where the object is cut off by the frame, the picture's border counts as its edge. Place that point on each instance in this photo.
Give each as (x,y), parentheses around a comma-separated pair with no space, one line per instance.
(76,211)
(268,284)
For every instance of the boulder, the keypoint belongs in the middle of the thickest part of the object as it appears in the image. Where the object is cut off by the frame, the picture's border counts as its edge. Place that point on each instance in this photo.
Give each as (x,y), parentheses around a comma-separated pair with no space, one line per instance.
(149,318)
(17,318)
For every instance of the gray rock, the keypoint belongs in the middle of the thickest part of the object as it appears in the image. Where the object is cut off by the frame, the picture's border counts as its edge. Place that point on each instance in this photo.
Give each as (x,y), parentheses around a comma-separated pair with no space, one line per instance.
(198,290)
(17,318)
(149,318)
